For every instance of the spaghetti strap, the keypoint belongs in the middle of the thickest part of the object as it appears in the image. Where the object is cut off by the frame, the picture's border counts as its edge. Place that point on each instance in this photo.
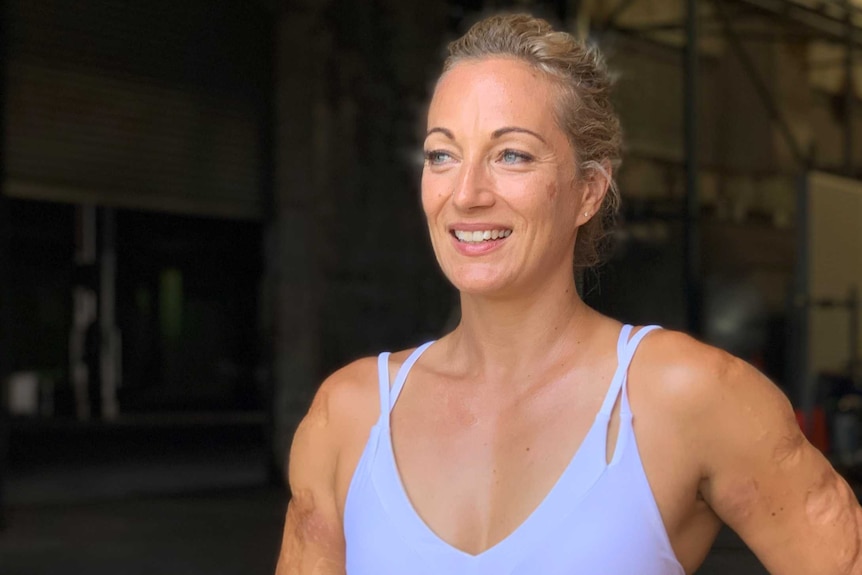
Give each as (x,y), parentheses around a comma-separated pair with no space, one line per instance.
(622,341)
(625,352)
(631,348)
(383,384)
(619,374)
(401,377)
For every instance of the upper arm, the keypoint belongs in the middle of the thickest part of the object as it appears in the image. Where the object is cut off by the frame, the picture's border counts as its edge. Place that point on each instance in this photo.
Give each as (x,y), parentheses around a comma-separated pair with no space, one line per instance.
(313,541)
(764,479)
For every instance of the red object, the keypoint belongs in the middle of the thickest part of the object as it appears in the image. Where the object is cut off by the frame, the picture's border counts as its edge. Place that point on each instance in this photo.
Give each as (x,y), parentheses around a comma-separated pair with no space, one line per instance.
(816,431)
(800,419)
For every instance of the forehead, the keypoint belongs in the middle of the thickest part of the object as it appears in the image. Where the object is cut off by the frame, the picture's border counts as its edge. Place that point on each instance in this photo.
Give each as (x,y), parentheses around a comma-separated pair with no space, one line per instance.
(494,91)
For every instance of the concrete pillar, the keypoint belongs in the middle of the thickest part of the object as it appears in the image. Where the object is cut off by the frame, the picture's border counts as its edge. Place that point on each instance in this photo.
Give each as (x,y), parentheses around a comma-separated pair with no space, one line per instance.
(5,276)
(5,346)
(348,263)
(292,276)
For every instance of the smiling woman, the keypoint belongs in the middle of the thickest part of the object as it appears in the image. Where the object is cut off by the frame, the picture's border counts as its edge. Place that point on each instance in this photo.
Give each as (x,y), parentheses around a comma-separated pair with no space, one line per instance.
(498,161)
(540,436)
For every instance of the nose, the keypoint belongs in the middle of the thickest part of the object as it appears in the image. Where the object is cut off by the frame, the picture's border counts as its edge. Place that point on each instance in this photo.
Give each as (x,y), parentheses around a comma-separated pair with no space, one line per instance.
(473,188)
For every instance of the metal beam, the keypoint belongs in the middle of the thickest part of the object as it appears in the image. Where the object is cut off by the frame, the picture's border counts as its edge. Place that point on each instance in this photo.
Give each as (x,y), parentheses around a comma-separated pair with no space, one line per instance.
(849,92)
(619,9)
(760,86)
(828,25)
(820,24)
(673,26)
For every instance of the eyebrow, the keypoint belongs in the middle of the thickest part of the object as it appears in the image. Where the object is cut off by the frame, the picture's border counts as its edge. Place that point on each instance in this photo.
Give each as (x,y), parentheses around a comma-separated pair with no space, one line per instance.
(509,129)
(443,131)
(498,133)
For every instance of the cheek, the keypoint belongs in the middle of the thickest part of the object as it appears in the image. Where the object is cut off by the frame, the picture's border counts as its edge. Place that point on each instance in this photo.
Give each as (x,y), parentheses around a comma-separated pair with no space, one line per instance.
(433,195)
(561,201)
(426,196)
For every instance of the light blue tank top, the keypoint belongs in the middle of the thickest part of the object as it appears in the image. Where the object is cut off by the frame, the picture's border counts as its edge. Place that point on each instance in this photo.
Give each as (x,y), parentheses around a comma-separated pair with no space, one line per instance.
(599,518)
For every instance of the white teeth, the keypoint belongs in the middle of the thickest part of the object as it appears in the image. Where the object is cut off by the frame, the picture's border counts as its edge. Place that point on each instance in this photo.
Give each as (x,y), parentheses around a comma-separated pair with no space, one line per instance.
(481,236)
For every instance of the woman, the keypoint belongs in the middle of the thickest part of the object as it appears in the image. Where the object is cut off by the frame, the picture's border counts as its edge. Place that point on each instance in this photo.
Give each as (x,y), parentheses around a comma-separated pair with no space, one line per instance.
(540,436)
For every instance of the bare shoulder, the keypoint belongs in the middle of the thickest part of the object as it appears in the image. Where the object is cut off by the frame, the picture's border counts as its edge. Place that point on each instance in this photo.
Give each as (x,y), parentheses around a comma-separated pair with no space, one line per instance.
(345,400)
(313,540)
(758,471)
(695,380)
(728,410)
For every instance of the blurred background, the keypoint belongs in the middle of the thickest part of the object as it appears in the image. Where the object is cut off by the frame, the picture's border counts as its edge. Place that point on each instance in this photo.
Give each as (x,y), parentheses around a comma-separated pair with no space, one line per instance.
(206,207)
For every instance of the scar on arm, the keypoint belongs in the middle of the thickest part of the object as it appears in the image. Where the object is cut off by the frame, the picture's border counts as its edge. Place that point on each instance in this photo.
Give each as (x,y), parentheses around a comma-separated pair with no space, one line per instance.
(790,448)
(831,504)
(318,413)
(294,544)
(326,566)
(308,525)
(316,419)
(307,530)
(741,498)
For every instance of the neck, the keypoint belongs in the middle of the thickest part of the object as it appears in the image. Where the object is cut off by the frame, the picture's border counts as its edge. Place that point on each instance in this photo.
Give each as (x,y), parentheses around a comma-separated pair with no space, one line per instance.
(522,333)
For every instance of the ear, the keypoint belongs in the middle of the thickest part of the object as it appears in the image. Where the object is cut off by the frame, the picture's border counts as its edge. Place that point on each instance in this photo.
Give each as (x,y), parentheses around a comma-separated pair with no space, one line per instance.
(596,181)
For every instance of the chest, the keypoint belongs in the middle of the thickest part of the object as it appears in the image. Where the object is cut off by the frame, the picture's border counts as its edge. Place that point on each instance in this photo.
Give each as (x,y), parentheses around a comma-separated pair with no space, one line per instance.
(474,468)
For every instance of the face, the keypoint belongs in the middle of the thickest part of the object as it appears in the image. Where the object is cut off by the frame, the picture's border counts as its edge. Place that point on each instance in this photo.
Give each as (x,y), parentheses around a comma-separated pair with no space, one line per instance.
(500,190)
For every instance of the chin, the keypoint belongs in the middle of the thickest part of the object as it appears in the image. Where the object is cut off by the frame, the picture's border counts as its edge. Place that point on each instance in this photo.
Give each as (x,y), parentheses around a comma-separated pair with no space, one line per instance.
(475,282)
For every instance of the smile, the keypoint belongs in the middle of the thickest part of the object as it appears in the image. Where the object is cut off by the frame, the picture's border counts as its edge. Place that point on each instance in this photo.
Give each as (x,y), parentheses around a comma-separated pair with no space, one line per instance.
(480,235)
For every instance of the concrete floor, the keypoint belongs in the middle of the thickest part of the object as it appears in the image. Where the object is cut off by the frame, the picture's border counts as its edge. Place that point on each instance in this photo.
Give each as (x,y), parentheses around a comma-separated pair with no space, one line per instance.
(171,500)
(218,533)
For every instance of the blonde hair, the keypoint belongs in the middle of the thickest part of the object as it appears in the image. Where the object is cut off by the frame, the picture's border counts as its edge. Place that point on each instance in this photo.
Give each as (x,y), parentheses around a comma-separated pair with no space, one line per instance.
(584,110)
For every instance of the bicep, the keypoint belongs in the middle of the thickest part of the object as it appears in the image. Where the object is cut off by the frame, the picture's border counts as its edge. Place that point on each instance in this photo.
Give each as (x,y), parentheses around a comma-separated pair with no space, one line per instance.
(312,544)
(313,541)
(775,489)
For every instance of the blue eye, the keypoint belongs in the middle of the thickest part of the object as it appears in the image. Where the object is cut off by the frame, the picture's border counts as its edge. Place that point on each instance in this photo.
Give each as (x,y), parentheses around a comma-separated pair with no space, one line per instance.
(437,157)
(513,157)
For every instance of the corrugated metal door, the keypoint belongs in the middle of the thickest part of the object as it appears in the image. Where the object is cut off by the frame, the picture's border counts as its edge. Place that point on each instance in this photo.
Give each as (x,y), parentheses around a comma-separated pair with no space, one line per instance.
(145,105)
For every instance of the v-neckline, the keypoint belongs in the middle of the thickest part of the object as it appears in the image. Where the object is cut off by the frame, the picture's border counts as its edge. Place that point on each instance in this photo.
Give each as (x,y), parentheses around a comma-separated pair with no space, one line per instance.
(584,468)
